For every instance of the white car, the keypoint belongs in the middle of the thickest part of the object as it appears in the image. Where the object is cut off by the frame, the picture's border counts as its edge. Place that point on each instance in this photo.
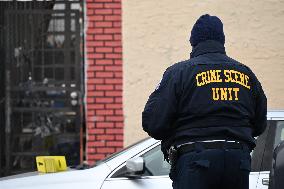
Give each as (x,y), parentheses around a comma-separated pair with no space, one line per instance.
(142,166)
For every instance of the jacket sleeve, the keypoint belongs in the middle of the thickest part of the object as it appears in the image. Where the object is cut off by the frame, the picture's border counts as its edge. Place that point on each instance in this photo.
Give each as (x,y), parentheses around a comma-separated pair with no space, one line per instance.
(260,120)
(161,108)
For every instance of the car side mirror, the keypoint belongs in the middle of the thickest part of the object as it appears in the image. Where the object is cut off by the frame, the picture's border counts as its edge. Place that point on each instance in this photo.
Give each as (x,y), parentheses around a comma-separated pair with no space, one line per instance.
(135,167)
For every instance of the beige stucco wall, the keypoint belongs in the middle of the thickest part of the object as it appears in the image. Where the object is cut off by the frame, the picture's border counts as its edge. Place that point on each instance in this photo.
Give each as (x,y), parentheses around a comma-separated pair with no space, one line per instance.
(156,33)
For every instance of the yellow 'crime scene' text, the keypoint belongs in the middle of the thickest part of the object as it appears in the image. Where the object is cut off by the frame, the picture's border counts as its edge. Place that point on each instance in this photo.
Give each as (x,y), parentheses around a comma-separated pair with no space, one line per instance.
(226,76)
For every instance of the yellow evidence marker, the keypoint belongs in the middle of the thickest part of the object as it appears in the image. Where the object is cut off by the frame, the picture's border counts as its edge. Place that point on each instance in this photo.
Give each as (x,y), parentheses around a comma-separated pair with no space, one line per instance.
(51,164)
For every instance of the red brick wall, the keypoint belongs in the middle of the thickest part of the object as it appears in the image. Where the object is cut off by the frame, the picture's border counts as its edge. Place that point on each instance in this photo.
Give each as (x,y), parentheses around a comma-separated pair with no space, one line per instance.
(104,114)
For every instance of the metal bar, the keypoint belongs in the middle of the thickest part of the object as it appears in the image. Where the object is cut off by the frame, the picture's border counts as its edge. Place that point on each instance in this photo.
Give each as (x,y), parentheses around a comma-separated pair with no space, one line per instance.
(60,15)
(32,134)
(34,89)
(67,42)
(57,66)
(37,12)
(78,67)
(53,54)
(7,102)
(29,153)
(42,46)
(81,76)
(31,24)
(1,100)
(78,71)
(32,99)
(41,109)
(54,49)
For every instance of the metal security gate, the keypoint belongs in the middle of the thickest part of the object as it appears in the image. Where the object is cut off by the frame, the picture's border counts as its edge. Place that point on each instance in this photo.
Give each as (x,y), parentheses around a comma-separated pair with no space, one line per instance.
(43,84)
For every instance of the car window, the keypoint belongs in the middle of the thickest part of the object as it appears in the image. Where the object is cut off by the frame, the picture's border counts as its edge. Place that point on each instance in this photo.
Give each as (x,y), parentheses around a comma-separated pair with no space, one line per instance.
(155,165)
(279,135)
(258,151)
(274,137)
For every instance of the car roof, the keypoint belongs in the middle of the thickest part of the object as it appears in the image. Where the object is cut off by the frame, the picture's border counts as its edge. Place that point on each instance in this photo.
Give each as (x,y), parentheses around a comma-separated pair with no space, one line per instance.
(275,115)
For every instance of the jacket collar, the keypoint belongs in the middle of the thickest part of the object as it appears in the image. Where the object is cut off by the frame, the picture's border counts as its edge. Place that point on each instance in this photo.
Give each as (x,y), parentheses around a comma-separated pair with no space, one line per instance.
(209,46)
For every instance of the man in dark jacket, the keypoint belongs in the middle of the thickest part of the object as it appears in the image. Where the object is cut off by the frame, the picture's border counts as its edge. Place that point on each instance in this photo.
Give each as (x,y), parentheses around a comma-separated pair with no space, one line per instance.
(207,111)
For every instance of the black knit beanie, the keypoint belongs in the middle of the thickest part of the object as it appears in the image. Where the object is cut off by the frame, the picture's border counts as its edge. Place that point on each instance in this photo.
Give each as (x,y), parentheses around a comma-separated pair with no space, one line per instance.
(207,28)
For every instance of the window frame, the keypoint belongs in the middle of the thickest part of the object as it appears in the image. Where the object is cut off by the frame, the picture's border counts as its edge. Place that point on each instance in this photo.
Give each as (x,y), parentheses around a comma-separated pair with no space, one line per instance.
(261,141)
(160,167)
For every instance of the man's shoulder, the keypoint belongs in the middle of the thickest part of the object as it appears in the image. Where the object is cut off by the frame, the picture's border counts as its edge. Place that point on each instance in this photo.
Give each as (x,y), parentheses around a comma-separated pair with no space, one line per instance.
(180,65)
(193,62)
(236,62)
(245,67)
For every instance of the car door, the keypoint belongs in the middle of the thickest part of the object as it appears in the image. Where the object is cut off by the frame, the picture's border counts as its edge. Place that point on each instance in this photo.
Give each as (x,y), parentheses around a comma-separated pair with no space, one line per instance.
(257,174)
(157,170)
(275,134)
(155,174)
(256,160)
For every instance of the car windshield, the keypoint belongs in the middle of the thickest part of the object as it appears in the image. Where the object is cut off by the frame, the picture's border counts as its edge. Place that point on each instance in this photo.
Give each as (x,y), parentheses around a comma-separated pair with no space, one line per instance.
(110,157)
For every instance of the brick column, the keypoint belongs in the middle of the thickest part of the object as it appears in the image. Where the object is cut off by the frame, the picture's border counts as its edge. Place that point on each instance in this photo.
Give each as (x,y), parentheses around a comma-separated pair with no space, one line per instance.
(104,114)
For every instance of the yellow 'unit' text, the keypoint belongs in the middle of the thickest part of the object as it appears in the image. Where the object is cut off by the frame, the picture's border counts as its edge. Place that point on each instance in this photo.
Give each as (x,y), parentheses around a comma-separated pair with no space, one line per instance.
(225,93)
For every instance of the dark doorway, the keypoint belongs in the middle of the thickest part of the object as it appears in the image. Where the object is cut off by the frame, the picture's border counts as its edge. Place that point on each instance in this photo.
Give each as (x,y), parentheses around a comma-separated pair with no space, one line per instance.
(43,86)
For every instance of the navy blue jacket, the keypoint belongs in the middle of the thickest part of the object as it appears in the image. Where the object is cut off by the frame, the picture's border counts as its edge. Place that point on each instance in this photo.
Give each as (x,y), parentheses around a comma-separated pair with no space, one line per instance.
(209,96)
